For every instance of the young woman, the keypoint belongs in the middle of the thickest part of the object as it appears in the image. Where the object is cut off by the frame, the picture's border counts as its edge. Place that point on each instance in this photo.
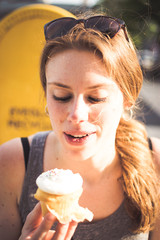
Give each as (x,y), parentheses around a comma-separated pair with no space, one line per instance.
(91,78)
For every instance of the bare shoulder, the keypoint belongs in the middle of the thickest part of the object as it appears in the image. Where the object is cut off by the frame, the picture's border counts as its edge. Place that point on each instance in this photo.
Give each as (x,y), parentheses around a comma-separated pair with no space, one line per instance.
(11,178)
(12,162)
(11,157)
(156,145)
(156,152)
(12,172)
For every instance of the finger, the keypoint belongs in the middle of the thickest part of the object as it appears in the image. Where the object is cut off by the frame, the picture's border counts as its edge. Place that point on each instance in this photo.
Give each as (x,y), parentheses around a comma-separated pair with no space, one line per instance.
(50,234)
(34,218)
(71,230)
(44,227)
(61,231)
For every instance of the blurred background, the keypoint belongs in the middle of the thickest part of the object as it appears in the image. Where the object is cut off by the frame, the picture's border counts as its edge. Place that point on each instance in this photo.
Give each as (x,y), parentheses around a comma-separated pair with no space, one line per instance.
(143,22)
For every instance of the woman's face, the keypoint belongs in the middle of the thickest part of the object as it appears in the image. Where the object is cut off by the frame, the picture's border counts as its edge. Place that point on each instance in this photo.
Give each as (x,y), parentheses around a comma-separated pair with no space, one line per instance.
(84,104)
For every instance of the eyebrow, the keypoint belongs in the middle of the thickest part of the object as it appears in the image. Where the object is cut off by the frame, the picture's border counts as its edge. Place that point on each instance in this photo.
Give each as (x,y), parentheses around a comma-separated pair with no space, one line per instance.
(59,85)
(67,87)
(99,86)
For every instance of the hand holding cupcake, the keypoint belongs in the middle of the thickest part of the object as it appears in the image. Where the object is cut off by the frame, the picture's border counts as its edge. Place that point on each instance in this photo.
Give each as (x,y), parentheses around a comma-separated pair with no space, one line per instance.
(59,192)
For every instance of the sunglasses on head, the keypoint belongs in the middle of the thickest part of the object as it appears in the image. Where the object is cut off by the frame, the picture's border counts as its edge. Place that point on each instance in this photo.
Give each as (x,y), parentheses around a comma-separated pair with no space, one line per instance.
(109,26)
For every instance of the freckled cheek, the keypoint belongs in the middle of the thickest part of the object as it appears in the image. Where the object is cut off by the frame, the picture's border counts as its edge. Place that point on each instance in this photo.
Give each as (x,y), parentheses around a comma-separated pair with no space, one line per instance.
(110,116)
(94,115)
(57,112)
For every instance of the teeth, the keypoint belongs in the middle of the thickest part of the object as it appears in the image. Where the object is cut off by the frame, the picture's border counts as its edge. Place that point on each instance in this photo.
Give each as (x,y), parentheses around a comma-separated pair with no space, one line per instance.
(79,136)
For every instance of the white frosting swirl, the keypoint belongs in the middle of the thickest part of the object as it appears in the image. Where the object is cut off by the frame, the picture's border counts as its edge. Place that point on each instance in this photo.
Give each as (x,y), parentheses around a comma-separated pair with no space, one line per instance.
(59,181)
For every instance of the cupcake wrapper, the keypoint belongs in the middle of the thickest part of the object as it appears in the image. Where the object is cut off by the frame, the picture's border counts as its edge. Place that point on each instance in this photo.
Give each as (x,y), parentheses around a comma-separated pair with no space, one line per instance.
(44,208)
(64,207)
(77,213)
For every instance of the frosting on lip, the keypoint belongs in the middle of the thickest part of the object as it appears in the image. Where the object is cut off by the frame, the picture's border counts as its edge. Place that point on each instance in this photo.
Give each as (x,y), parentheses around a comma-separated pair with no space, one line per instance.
(59,181)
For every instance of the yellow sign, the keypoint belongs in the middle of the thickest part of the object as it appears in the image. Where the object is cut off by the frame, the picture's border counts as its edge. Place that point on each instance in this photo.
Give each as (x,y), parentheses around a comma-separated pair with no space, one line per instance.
(22,102)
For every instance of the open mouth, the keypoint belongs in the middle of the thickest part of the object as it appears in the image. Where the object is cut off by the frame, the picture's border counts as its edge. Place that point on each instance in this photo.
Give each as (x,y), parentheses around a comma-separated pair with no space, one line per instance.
(78,136)
(78,139)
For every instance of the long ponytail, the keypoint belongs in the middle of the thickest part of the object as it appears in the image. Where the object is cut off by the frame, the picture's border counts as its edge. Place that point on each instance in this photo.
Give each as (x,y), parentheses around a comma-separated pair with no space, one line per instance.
(139,179)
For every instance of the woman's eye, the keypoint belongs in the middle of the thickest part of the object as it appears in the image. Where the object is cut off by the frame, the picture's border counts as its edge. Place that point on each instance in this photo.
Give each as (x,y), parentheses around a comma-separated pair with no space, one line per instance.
(97,100)
(62,99)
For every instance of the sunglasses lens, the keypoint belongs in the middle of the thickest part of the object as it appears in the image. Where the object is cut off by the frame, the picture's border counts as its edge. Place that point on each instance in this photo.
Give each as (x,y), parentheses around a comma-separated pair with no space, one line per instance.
(106,25)
(59,27)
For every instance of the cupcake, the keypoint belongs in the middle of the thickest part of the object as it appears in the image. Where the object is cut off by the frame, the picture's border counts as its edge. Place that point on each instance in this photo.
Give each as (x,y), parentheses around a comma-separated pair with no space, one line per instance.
(59,192)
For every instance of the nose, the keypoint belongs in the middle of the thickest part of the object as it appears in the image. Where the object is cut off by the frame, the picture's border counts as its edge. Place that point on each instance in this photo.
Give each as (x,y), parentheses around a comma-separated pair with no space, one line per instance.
(78,111)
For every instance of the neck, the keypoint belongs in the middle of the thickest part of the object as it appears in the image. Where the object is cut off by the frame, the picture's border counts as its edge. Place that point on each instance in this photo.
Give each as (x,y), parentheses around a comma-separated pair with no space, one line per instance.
(104,163)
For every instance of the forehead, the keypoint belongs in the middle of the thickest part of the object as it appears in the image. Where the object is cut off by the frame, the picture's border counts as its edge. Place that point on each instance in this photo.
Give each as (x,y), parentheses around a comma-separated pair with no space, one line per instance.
(78,66)
(81,58)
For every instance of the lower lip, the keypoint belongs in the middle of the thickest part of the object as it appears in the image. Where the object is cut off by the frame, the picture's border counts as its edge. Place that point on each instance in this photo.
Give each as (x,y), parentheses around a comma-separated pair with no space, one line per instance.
(78,141)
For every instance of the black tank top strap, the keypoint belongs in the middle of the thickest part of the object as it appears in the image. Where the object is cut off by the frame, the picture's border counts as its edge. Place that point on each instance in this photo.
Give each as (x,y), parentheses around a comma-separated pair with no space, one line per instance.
(26,150)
